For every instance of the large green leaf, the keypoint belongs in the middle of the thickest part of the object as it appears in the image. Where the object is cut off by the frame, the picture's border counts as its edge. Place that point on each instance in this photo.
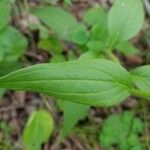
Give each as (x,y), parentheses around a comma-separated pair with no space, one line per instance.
(12,44)
(70,117)
(125,20)
(38,130)
(63,23)
(93,82)
(5,11)
(141,77)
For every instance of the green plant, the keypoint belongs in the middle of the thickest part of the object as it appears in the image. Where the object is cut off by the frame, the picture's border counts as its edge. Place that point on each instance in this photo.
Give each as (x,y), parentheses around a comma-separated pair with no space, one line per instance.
(92,80)
(71,117)
(96,82)
(38,129)
(102,35)
(10,49)
(123,130)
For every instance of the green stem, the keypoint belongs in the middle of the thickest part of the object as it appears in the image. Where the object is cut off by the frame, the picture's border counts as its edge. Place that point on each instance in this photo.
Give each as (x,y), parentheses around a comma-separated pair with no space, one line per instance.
(140,93)
(111,56)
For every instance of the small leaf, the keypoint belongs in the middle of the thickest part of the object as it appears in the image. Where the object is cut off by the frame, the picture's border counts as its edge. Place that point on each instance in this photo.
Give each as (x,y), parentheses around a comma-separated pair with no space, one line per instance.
(141,77)
(63,23)
(9,45)
(95,46)
(92,82)
(5,11)
(97,18)
(89,55)
(51,44)
(127,48)
(7,67)
(96,15)
(57,58)
(73,112)
(67,2)
(38,129)
(125,20)
(100,32)
(79,36)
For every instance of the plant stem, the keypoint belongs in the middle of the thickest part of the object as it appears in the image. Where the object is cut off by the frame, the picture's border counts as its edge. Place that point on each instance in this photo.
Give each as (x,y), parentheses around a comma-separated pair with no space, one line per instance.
(140,93)
(110,55)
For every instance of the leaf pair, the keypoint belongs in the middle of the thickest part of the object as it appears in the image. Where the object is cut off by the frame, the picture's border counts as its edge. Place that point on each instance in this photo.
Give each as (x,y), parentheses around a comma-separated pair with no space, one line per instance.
(123,21)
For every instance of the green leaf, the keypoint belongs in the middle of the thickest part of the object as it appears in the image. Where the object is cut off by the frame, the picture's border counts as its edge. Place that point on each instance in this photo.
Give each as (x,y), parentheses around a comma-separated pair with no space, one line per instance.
(38,129)
(127,48)
(5,11)
(125,20)
(95,46)
(120,129)
(67,2)
(97,18)
(73,112)
(89,55)
(96,15)
(70,117)
(57,58)
(51,44)
(133,141)
(141,77)
(79,36)
(63,23)
(100,32)
(12,44)
(92,82)
(5,68)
